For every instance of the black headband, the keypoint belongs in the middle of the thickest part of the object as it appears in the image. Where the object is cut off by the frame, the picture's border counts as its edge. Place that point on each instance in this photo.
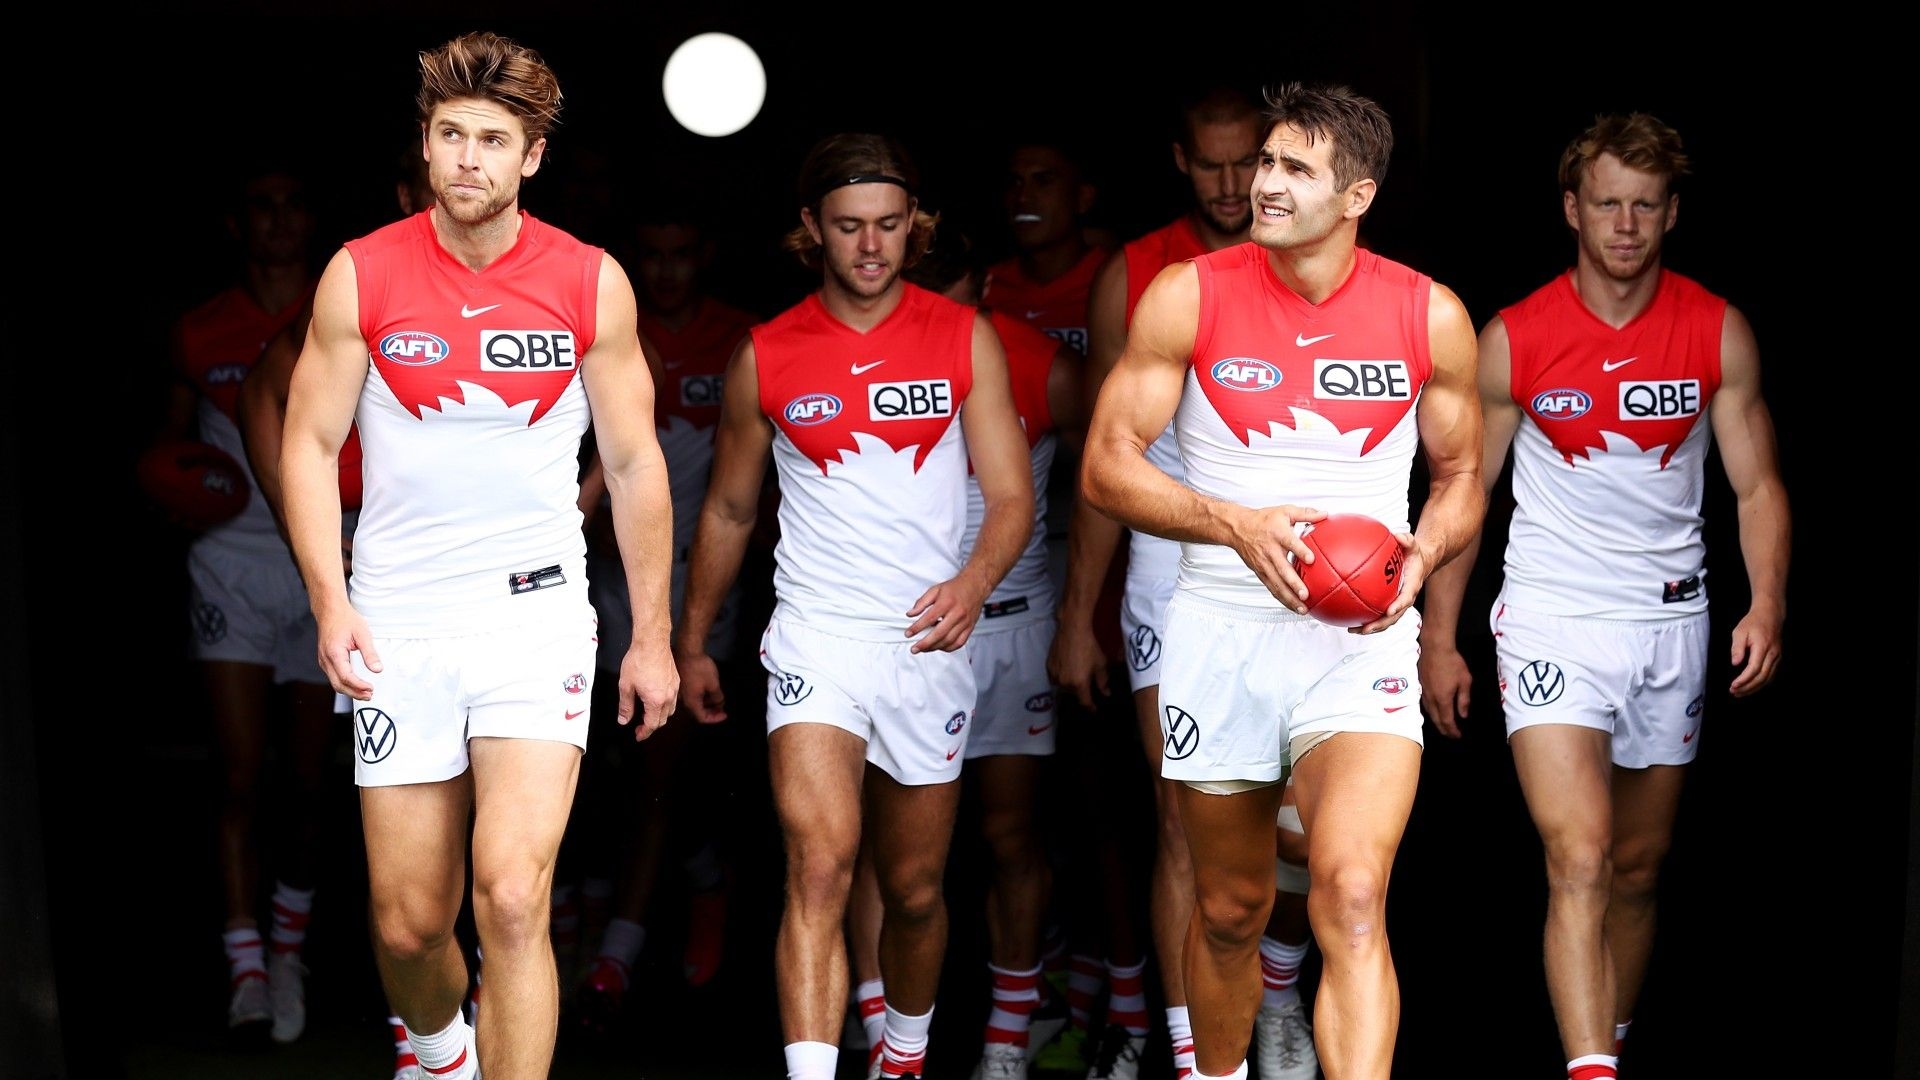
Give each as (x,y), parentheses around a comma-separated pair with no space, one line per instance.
(863,178)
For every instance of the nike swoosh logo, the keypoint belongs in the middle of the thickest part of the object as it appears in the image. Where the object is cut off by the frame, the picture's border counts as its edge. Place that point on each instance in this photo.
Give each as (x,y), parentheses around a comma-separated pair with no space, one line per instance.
(1031,730)
(468,313)
(952,752)
(1614,365)
(671,364)
(862,369)
(1392,708)
(1303,341)
(1688,737)
(576,715)
(1032,315)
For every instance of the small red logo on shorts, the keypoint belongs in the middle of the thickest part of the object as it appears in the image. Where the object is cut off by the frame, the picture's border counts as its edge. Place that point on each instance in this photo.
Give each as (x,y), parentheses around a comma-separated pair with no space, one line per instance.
(952,752)
(1031,730)
(1688,737)
(576,715)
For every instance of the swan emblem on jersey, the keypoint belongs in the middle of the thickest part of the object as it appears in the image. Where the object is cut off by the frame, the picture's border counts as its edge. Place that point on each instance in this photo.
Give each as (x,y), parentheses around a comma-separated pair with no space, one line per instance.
(1250,394)
(424,370)
(1650,414)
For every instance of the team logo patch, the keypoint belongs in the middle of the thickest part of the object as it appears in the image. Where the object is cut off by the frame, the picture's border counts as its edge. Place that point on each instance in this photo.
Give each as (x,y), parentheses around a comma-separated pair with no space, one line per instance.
(1180,734)
(1541,683)
(576,683)
(209,623)
(1695,706)
(1143,648)
(956,722)
(1562,404)
(790,689)
(1362,380)
(809,409)
(1392,684)
(534,352)
(1041,702)
(1664,399)
(375,735)
(700,390)
(1245,373)
(919,399)
(414,348)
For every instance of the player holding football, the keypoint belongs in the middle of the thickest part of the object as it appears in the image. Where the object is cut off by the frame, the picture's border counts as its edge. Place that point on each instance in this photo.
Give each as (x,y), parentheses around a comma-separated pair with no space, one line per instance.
(1287,423)
(1602,643)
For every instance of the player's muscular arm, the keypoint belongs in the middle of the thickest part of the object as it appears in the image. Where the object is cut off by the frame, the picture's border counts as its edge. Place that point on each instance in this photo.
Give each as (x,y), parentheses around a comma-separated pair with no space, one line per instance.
(262,412)
(1076,661)
(1743,432)
(944,615)
(1135,406)
(742,444)
(1445,682)
(620,384)
(1452,438)
(321,399)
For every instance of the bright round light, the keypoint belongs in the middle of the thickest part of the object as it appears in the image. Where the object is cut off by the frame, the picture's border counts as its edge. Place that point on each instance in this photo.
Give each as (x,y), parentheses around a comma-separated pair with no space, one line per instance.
(714,84)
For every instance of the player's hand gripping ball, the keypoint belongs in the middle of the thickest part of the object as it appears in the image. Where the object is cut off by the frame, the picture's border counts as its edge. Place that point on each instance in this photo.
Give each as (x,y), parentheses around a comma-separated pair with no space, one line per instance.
(197,484)
(1355,573)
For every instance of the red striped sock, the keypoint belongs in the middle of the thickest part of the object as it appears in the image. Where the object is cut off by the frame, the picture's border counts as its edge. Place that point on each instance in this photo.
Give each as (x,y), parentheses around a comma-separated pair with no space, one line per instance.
(1015,994)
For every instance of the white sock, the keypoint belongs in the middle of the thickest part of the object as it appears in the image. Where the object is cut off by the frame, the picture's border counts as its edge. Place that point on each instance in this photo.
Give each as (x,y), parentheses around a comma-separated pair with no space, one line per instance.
(245,955)
(1237,1074)
(870,998)
(812,1061)
(291,908)
(623,940)
(443,1049)
(1180,1034)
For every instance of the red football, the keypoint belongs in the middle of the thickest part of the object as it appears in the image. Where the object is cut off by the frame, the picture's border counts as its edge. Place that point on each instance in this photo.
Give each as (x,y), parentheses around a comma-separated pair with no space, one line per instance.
(198,484)
(1355,573)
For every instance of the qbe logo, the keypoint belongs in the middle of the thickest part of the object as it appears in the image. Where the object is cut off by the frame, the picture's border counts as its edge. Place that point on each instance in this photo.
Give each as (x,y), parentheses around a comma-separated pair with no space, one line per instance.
(1563,403)
(919,399)
(414,348)
(700,390)
(1662,399)
(527,351)
(809,409)
(1362,380)
(1246,373)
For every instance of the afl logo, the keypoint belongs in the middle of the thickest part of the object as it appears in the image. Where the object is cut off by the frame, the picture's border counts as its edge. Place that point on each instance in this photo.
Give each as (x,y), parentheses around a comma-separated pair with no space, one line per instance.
(810,409)
(1391,684)
(414,348)
(956,722)
(1562,404)
(1246,373)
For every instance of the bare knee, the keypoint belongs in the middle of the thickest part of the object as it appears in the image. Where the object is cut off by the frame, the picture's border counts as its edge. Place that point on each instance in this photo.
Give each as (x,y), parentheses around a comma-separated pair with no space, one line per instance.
(1348,903)
(1233,913)
(818,876)
(512,906)
(1579,867)
(1636,868)
(913,895)
(411,932)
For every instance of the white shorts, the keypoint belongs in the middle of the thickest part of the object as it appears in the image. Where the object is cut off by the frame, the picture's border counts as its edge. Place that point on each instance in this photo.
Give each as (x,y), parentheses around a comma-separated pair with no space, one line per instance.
(913,709)
(1643,682)
(1014,714)
(607,589)
(1143,622)
(1240,683)
(523,682)
(253,609)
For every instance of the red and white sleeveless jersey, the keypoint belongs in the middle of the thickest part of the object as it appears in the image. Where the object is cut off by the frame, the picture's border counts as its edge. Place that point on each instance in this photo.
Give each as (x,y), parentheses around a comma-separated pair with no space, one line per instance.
(214,346)
(1026,593)
(1058,307)
(1292,402)
(1146,256)
(1609,462)
(470,426)
(687,409)
(871,462)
